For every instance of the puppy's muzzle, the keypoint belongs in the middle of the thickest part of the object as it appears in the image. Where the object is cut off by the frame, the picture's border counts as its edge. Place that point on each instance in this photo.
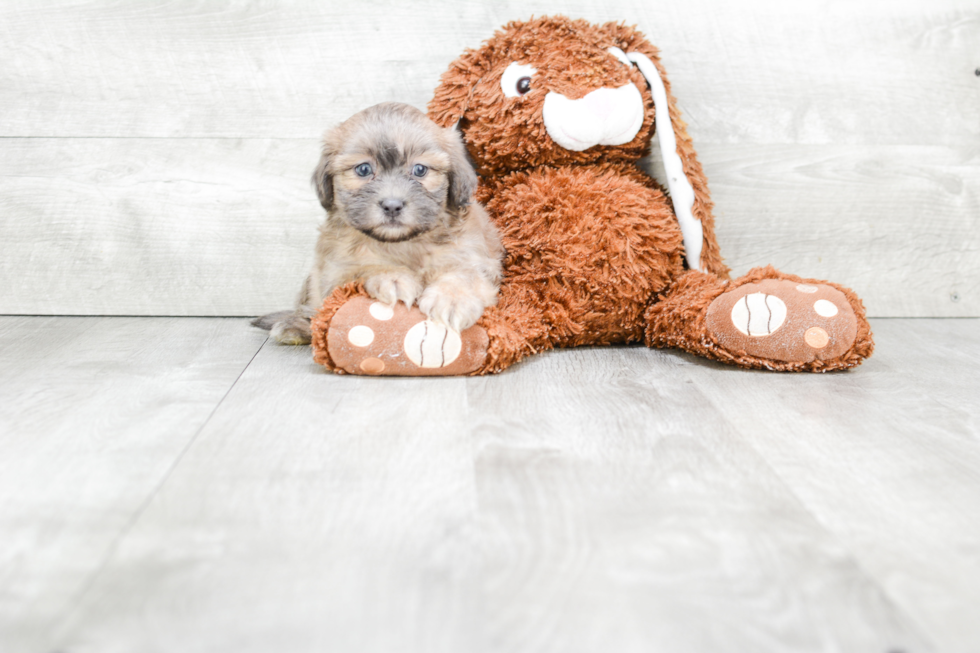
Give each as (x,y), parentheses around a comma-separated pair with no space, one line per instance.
(392,207)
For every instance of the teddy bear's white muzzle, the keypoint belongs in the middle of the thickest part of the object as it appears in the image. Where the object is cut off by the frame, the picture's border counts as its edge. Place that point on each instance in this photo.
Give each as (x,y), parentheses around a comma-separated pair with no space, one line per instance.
(606,116)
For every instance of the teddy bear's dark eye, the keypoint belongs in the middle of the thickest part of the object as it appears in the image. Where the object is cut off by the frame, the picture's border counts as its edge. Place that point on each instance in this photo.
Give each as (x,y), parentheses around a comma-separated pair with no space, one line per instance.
(516,80)
(363,170)
(419,170)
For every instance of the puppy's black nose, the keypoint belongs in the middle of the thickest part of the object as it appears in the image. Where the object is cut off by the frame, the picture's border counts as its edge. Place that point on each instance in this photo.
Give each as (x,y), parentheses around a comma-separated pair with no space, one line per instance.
(392,207)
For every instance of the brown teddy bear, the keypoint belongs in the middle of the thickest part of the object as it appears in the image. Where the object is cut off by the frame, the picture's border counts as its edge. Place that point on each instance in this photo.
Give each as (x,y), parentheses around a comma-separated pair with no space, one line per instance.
(556,113)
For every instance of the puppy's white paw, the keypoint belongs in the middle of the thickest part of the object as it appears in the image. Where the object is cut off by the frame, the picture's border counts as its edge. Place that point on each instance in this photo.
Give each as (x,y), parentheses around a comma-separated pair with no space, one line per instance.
(451,306)
(390,287)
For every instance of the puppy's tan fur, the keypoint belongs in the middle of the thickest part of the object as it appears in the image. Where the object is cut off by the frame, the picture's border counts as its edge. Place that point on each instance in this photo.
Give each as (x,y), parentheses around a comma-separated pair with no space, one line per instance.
(433,245)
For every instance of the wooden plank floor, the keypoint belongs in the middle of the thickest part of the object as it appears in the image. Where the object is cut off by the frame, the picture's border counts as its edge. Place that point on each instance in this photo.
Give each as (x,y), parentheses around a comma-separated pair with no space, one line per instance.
(180,484)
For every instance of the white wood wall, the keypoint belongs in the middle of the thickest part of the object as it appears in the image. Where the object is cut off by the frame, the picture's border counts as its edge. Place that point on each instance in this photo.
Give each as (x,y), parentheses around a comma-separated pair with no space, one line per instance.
(155,155)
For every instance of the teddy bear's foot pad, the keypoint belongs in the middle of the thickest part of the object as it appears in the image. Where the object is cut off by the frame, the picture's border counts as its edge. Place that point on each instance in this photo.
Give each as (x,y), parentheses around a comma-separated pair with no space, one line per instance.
(781,320)
(370,338)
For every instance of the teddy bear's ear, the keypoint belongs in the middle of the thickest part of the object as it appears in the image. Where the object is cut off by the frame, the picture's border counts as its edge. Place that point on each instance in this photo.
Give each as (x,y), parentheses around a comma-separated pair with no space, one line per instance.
(631,41)
(456,87)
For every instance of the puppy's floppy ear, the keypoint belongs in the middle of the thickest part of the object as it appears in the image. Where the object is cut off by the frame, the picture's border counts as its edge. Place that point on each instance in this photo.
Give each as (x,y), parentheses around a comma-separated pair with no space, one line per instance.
(462,177)
(322,179)
(323,182)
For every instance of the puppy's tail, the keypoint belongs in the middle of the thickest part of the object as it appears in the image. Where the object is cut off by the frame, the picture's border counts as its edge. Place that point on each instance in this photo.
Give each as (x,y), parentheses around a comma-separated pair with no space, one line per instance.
(268,321)
(286,327)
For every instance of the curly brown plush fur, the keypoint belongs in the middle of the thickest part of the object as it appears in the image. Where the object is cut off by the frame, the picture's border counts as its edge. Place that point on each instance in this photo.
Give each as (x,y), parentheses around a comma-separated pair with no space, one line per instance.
(572,59)
(320,324)
(595,255)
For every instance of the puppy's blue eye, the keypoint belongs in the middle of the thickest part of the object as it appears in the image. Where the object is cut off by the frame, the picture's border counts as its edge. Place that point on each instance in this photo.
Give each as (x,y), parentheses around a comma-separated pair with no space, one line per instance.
(419,170)
(363,170)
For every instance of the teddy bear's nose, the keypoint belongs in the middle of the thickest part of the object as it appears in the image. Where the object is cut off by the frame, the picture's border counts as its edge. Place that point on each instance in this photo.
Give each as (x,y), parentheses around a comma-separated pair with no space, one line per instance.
(600,104)
(605,116)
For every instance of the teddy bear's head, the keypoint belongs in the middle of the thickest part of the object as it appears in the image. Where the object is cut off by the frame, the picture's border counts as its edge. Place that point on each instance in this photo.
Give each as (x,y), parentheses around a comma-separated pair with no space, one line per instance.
(551,90)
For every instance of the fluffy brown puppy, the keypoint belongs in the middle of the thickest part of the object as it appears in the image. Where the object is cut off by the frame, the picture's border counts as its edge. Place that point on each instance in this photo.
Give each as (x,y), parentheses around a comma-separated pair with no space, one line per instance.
(400,220)
(556,113)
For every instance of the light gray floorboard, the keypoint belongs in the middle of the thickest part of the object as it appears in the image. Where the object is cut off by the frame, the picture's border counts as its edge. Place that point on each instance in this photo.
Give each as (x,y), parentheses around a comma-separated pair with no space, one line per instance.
(887,459)
(623,513)
(94,412)
(598,499)
(313,513)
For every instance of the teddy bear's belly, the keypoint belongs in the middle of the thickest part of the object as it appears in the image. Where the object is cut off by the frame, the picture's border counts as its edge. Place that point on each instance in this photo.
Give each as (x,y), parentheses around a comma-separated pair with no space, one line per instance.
(590,246)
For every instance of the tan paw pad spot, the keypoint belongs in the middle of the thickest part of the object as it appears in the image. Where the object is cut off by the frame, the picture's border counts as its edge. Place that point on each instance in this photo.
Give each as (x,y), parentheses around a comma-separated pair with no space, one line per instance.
(758,314)
(816,337)
(372,365)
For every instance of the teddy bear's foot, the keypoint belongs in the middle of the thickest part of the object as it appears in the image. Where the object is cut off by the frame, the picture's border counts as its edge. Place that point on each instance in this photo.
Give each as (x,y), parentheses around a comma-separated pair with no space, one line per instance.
(783,320)
(370,338)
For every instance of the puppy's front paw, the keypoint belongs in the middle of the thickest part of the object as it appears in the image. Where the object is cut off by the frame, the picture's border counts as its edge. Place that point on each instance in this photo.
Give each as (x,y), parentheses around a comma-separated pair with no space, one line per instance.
(451,305)
(390,287)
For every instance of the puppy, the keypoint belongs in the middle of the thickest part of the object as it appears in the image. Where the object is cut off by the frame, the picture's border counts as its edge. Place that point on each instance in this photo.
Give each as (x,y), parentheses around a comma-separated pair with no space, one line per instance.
(400,219)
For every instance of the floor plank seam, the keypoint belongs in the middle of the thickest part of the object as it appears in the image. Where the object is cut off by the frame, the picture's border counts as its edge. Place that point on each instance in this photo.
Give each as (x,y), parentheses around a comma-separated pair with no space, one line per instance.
(114,545)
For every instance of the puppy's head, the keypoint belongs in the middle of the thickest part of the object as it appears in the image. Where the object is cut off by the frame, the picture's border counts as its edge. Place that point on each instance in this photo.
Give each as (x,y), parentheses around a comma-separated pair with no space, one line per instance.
(393,174)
